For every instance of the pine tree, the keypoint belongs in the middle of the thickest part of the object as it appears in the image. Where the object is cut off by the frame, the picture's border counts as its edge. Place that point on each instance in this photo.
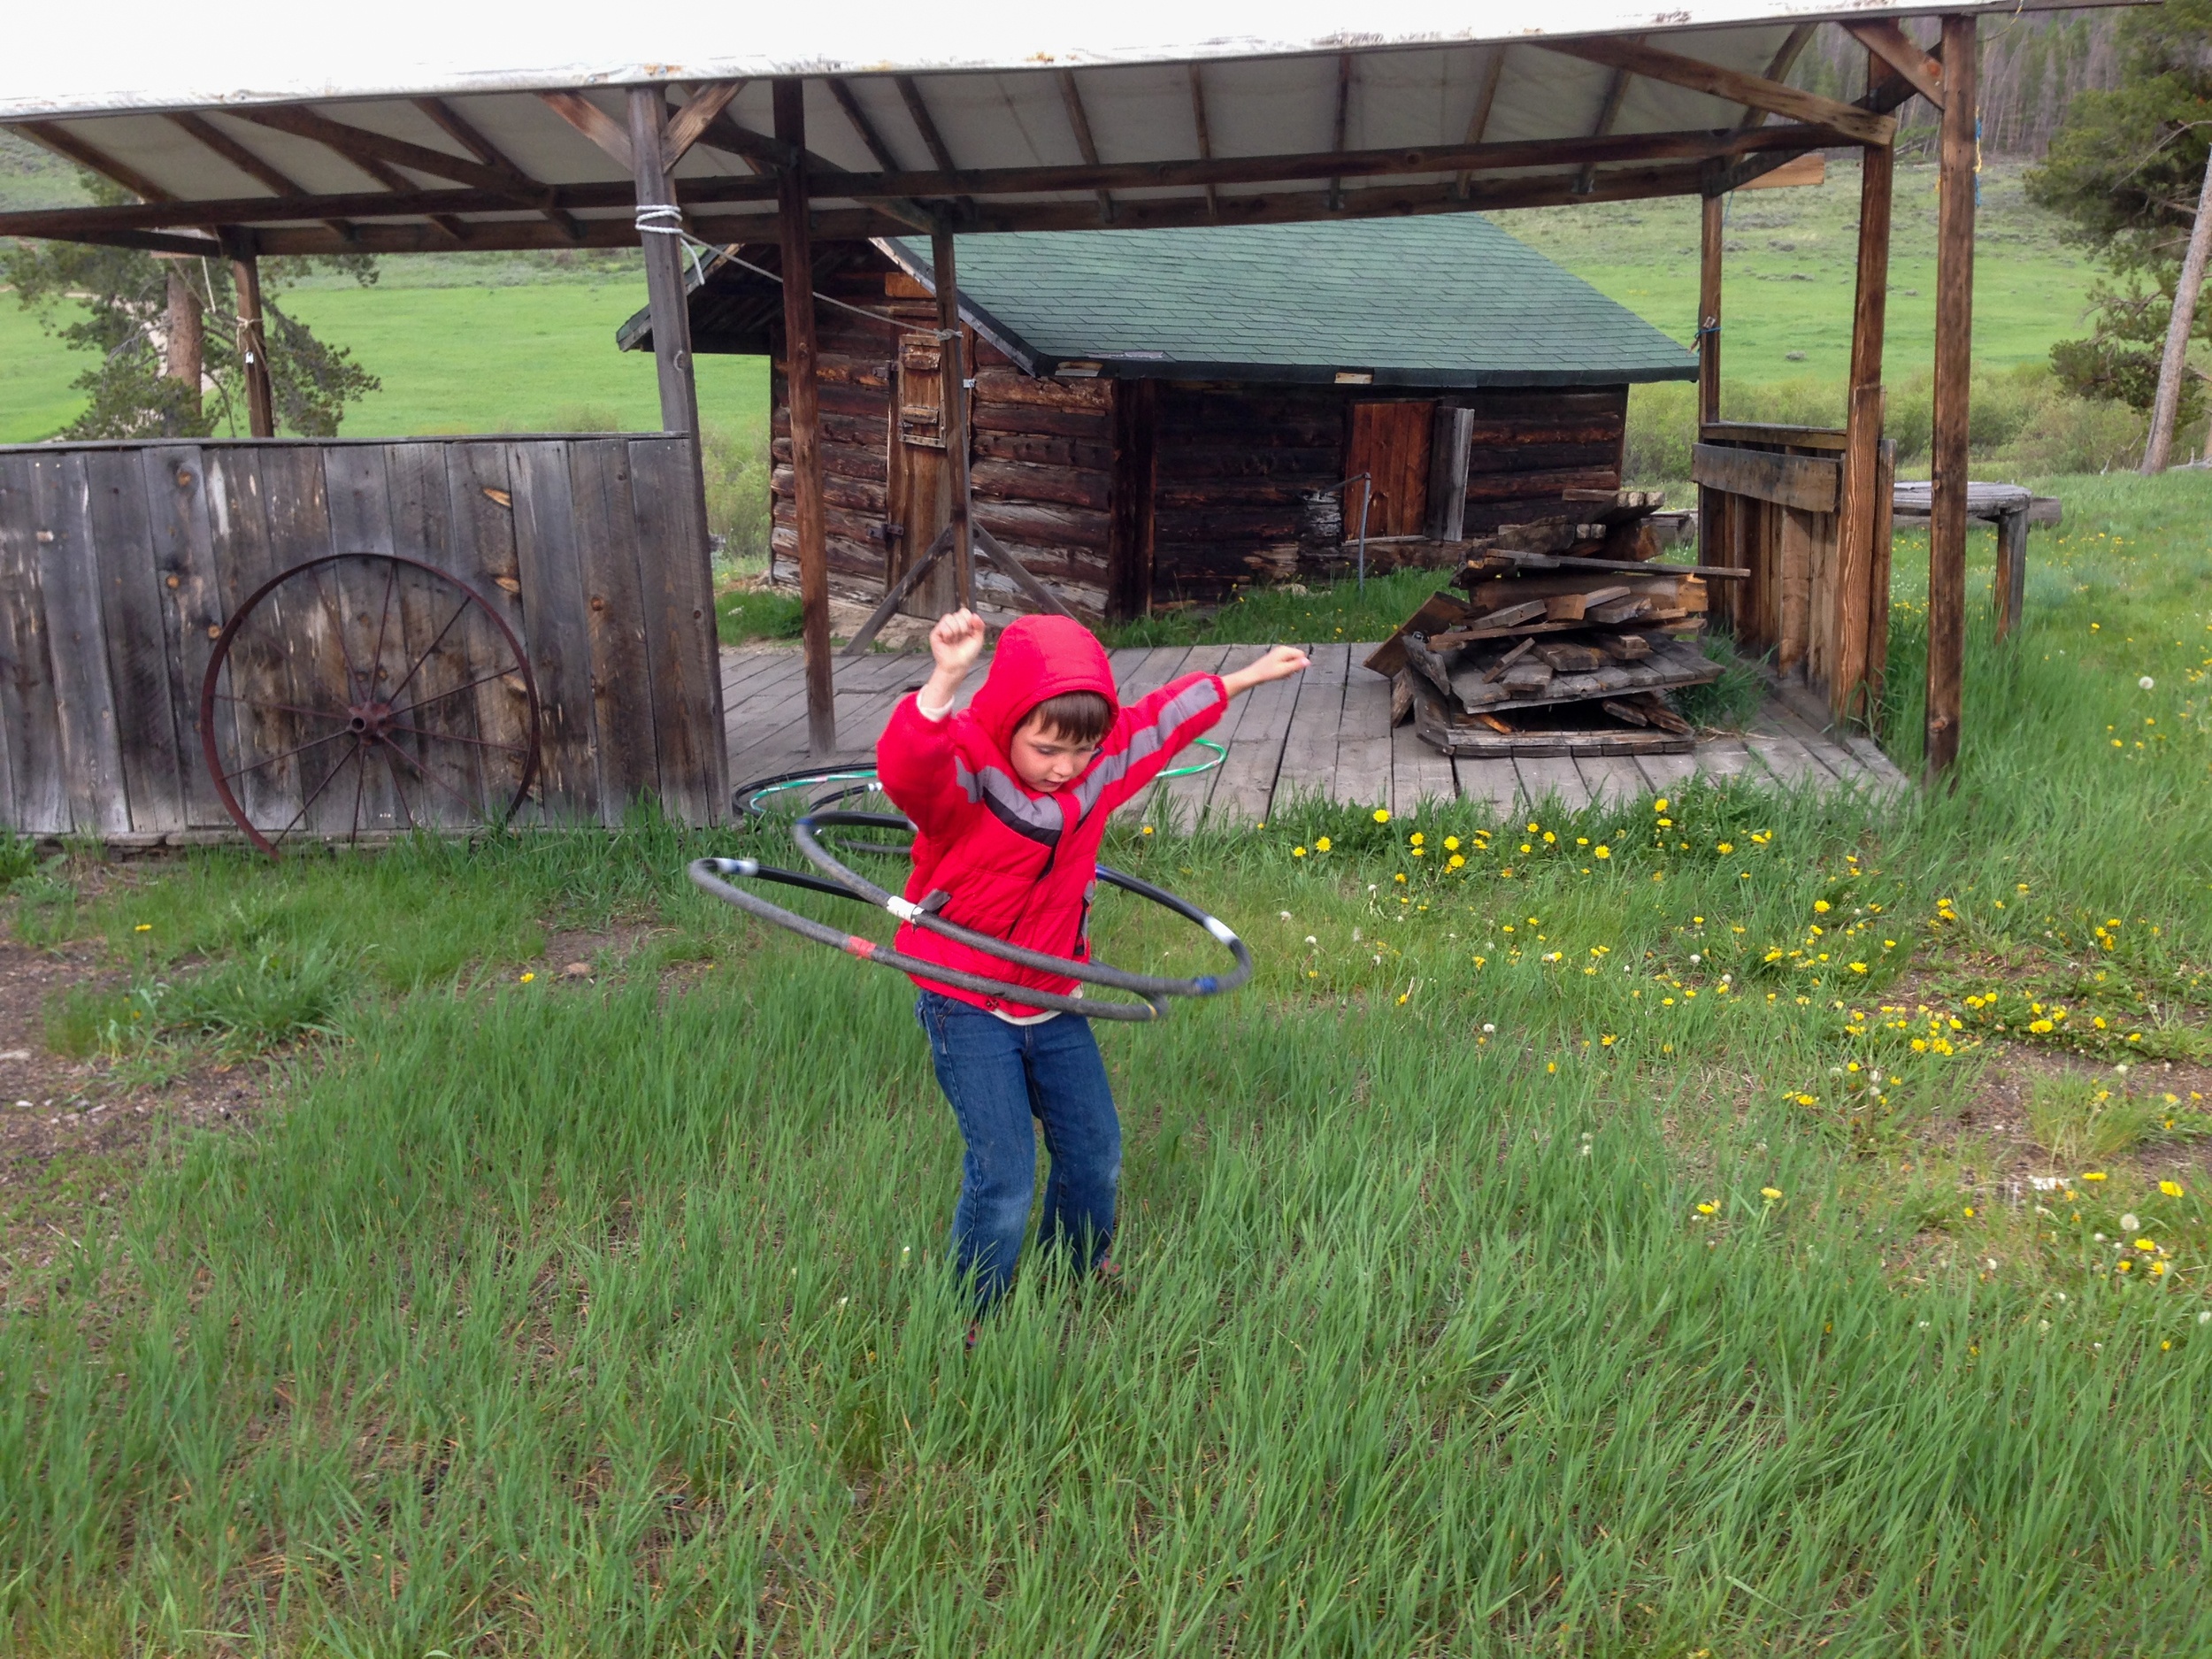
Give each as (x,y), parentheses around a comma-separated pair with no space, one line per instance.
(164,330)
(2126,171)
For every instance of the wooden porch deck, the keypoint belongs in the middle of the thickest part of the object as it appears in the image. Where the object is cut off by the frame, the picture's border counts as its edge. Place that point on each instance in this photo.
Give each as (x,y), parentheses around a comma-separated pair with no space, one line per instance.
(1327,731)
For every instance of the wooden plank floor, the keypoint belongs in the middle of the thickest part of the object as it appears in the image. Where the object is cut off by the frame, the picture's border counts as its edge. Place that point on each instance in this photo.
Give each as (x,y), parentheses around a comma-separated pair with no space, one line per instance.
(1324,733)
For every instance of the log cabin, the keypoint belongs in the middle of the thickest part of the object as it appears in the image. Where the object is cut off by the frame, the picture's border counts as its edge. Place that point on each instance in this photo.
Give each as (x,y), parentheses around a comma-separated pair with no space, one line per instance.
(1159,415)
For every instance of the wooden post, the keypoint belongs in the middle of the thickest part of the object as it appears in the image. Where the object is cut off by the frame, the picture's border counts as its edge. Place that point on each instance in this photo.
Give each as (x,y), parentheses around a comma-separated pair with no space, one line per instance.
(1953,362)
(806,435)
(952,360)
(1708,312)
(253,345)
(663,264)
(1856,600)
(1711,504)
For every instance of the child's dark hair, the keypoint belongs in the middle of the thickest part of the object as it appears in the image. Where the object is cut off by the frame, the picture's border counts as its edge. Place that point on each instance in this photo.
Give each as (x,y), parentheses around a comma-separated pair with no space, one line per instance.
(1075,717)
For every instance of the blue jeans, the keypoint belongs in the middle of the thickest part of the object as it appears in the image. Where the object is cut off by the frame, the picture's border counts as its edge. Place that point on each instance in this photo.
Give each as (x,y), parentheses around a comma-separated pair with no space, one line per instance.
(998,1077)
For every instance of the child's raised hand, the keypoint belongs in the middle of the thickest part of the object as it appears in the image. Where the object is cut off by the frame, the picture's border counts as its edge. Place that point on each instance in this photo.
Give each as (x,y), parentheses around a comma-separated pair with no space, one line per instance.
(956,641)
(1279,662)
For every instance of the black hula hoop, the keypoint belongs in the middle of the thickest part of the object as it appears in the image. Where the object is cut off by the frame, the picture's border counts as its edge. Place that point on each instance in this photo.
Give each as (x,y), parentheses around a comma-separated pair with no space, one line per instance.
(709,875)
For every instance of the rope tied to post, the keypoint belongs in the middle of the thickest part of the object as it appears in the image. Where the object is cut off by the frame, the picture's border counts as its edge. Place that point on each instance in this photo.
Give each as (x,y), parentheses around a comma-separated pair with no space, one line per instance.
(650,222)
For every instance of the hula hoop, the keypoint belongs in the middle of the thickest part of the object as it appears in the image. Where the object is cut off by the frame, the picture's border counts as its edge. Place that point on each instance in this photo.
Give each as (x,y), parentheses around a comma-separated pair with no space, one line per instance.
(1153,991)
(749,798)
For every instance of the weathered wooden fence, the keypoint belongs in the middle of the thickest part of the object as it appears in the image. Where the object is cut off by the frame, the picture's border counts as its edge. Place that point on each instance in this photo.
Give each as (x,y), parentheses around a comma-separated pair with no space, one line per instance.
(119,564)
(1772,501)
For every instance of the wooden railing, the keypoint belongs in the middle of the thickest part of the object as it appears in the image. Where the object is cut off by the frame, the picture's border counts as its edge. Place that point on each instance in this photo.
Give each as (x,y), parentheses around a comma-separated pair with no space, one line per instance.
(1773,501)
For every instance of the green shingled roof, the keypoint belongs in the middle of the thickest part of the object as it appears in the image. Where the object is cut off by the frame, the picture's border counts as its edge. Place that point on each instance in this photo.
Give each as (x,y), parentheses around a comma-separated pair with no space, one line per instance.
(1448,300)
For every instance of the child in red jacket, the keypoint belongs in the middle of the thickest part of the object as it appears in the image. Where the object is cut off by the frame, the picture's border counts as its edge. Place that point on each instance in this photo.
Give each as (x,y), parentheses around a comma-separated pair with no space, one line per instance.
(1009,801)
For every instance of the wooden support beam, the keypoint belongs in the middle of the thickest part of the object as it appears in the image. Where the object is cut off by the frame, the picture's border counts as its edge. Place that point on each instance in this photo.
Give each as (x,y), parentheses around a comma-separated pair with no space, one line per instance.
(800,355)
(1712,230)
(134,225)
(918,113)
(1479,119)
(1780,66)
(594,123)
(1205,135)
(1609,113)
(1847,120)
(1954,365)
(842,90)
(1343,117)
(691,121)
(1071,96)
(457,126)
(886,188)
(253,344)
(54,136)
(206,133)
(664,289)
(952,366)
(375,154)
(1887,40)
(1856,600)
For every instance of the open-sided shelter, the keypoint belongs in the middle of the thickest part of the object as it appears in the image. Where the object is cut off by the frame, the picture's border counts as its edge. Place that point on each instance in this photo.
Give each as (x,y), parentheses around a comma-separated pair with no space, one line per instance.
(1167,415)
(796,126)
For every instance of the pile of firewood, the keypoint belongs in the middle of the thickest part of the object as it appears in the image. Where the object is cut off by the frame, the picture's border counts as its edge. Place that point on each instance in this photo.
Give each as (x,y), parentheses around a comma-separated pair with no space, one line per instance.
(1564,639)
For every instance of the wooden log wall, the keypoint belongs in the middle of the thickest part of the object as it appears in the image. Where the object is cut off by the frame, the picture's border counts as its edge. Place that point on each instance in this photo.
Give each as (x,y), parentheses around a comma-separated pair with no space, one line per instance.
(1042,477)
(1529,448)
(1230,465)
(857,370)
(119,564)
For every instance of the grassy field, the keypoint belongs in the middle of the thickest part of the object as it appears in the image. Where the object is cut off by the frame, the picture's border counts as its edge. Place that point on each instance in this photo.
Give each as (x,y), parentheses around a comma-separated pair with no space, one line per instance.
(1608,1234)
(1789,272)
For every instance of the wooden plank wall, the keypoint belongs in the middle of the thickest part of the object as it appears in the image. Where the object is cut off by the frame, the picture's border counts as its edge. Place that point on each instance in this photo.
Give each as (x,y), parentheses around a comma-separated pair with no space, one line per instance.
(120,562)
(1759,511)
(1042,477)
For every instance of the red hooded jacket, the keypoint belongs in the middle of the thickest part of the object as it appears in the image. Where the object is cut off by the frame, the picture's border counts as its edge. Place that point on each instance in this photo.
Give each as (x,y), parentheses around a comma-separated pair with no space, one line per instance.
(1020,864)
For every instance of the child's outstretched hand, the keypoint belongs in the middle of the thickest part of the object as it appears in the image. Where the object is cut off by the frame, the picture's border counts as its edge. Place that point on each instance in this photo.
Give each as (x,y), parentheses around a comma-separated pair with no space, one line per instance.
(956,641)
(1280,663)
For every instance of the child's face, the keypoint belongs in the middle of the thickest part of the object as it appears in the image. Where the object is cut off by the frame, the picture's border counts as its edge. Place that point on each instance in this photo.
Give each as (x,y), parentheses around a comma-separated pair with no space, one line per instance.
(1045,757)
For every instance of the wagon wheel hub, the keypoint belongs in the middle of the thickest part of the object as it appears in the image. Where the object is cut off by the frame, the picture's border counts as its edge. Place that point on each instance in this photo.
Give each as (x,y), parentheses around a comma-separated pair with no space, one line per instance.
(370,720)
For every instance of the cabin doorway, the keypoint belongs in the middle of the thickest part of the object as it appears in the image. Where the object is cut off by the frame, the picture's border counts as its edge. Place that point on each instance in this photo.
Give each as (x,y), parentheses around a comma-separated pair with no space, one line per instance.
(918,503)
(1390,444)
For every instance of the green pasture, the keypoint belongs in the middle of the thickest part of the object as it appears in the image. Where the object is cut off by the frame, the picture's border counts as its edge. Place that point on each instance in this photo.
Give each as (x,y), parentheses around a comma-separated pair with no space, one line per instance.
(1790,273)
(1590,1235)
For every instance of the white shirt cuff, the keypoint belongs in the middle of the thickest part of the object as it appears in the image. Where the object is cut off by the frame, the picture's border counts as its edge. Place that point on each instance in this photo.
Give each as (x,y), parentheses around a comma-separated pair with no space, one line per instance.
(928,714)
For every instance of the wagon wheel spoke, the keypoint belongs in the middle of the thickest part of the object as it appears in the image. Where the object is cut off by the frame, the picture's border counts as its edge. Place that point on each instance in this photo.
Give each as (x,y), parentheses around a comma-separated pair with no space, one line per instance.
(383,621)
(285,754)
(281,708)
(427,775)
(455,737)
(294,822)
(338,607)
(424,702)
(431,651)
(398,793)
(360,782)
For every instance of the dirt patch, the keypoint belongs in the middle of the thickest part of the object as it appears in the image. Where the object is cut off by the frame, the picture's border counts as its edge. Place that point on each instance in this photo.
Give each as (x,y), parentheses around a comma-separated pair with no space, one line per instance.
(74,1133)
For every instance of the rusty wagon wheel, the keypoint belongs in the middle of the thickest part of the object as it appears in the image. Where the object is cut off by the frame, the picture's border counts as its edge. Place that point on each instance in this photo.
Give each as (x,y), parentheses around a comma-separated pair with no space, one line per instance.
(362,693)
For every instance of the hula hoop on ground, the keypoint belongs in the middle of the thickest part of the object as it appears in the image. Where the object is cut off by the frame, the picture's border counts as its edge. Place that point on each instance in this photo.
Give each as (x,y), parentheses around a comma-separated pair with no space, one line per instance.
(712,875)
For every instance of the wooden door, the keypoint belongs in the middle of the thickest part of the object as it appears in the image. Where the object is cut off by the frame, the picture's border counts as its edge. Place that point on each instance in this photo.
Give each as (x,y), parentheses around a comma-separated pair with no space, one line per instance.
(918,504)
(1389,443)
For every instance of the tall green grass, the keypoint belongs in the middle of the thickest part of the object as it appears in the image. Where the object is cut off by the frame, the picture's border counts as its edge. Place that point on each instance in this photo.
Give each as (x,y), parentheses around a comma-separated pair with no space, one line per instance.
(560,1317)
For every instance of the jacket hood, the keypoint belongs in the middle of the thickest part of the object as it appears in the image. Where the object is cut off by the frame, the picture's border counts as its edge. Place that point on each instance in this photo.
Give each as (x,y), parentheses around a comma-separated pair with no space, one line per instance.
(1039,657)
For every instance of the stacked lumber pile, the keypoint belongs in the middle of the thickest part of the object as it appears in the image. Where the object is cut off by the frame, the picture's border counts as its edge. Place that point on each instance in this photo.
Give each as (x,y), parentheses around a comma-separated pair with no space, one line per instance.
(1564,639)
